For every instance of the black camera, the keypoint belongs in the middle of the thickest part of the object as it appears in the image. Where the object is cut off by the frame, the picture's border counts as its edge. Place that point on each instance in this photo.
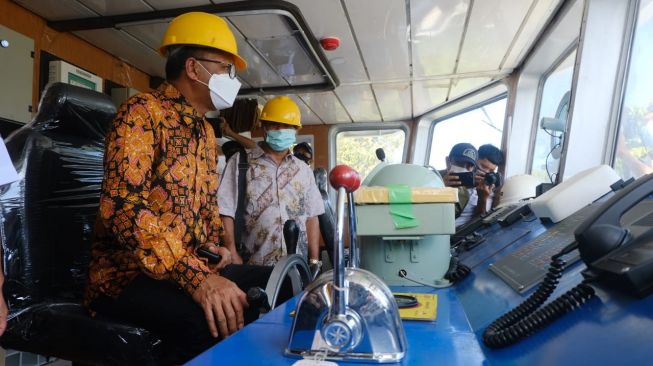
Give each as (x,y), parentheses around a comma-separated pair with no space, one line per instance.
(493,178)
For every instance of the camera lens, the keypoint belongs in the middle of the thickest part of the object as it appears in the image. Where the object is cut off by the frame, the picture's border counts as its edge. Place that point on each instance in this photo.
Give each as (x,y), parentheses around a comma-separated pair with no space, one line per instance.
(491,178)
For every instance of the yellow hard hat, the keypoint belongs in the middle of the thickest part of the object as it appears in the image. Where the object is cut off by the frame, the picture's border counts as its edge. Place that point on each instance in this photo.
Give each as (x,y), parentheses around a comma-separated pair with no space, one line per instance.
(282,110)
(204,30)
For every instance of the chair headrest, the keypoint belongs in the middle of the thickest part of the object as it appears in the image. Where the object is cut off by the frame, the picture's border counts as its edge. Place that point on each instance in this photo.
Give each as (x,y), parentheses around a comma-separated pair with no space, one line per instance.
(321,178)
(72,110)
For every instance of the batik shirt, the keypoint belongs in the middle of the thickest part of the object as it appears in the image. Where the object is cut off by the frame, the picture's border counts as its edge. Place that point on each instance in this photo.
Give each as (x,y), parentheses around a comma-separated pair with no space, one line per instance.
(274,194)
(158,199)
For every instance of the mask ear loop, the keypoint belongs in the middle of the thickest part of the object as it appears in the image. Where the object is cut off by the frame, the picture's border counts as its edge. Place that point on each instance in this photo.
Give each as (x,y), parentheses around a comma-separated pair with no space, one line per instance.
(207,71)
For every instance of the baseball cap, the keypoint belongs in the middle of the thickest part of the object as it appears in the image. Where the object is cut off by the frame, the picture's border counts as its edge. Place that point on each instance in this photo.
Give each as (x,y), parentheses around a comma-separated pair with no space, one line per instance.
(463,153)
(304,145)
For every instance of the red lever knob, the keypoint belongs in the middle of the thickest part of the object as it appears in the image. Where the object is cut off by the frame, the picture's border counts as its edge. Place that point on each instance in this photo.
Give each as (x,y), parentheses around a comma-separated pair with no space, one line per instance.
(346,177)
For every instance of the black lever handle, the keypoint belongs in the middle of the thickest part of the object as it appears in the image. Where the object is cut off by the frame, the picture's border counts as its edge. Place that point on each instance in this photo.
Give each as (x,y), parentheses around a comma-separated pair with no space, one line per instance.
(380,154)
(257,298)
(214,258)
(291,236)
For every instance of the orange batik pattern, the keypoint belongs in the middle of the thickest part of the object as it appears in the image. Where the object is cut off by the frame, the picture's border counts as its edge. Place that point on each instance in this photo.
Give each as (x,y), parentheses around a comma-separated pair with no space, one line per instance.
(158,201)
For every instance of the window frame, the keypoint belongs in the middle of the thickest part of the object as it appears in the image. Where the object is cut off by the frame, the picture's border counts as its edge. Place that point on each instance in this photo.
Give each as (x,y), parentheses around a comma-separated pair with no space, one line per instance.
(535,127)
(621,84)
(470,108)
(366,126)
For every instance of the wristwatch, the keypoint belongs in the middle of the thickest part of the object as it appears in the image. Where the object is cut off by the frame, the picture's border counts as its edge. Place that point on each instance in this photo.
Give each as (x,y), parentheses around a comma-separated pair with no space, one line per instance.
(315,261)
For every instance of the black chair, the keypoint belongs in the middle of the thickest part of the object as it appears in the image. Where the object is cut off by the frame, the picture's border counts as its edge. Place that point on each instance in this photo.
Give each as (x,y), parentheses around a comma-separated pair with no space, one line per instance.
(47,222)
(328,219)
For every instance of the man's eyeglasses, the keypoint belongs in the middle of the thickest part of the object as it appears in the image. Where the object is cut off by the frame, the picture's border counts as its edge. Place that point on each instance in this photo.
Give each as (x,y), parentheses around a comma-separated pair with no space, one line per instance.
(231,68)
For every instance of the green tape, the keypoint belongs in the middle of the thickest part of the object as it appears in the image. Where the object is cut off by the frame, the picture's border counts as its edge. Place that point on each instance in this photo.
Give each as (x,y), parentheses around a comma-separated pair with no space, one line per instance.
(401,209)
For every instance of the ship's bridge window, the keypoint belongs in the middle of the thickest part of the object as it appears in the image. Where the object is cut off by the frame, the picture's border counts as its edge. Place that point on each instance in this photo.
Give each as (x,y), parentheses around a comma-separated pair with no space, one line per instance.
(478,126)
(634,153)
(358,148)
(552,121)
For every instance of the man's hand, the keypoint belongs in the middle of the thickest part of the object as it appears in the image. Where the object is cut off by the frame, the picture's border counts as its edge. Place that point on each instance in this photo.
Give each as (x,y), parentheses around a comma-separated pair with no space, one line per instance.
(479,178)
(235,258)
(482,189)
(223,303)
(4,312)
(224,253)
(451,180)
(228,239)
(226,129)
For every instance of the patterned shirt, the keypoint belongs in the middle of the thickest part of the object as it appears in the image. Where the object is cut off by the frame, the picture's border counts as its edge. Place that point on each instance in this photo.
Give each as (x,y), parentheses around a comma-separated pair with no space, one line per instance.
(274,195)
(158,199)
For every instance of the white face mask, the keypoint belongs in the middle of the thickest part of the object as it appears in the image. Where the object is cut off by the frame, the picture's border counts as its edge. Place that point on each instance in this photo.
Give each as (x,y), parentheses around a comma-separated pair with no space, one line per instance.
(223,89)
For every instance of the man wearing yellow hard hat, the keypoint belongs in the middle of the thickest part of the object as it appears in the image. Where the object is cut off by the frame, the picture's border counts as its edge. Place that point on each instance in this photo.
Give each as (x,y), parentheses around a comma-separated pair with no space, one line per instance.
(158,220)
(278,186)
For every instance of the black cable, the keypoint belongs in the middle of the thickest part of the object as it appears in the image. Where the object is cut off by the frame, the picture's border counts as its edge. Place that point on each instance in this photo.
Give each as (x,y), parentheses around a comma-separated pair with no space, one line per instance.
(546,163)
(404,274)
(549,133)
(457,271)
(526,319)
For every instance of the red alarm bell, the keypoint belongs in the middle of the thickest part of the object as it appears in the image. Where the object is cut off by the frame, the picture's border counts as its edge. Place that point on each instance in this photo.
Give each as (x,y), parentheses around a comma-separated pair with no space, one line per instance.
(330,43)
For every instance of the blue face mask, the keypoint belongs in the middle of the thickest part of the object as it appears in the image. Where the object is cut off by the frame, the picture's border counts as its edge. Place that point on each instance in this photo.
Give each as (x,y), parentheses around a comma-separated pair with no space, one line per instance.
(280,140)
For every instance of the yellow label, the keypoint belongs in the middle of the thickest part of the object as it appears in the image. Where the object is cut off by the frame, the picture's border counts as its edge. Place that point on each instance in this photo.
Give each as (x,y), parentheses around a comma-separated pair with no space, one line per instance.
(426,310)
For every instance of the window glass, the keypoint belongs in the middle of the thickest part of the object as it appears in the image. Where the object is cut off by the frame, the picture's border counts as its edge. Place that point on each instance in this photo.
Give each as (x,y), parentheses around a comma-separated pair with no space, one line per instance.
(358,148)
(634,155)
(552,121)
(483,125)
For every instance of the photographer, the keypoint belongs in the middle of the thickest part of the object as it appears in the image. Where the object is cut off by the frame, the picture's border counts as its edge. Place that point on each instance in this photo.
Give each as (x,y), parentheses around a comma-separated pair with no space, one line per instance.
(461,164)
(488,180)
(476,177)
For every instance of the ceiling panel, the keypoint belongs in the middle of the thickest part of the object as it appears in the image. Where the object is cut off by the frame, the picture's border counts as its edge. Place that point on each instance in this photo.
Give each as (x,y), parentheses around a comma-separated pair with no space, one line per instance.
(344,60)
(261,26)
(360,103)
(258,72)
(463,86)
(326,106)
(289,59)
(279,47)
(114,7)
(130,50)
(494,44)
(492,27)
(308,117)
(539,16)
(428,94)
(436,28)
(57,9)
(150,33)
(489,92)
(394,101)
(380,26)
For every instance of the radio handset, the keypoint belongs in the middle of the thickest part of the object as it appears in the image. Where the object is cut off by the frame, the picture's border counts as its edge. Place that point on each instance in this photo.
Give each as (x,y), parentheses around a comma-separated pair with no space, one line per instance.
(612,254)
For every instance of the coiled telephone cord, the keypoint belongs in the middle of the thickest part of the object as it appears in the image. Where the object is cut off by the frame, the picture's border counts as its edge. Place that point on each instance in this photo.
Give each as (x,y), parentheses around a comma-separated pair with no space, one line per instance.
(526,319)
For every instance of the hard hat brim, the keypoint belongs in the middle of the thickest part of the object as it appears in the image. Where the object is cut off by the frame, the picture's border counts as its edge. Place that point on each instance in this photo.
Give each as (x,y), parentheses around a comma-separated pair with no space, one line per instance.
(240,62)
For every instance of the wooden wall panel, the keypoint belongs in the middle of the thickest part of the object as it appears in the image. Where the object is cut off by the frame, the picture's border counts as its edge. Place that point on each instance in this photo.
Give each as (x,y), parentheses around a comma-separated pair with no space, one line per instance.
(320,150)
(70,48)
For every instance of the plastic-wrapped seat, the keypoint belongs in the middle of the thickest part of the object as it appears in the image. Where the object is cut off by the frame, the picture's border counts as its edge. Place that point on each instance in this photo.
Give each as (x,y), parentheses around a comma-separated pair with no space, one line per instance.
(327,220)
(46,227)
